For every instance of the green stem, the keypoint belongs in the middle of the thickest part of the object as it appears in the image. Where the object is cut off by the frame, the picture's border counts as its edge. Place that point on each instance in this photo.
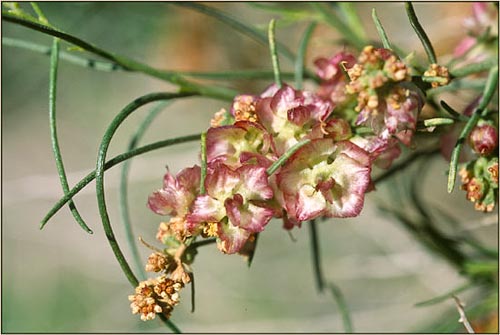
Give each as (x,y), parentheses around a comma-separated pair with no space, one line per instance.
(124,209)
(109,164)
(66,56)
(473,68)
(54,61)
(282,160)
(333,20)
(109,67)
(352,19)
(419,30)
(315,252)
(38,11)
(403,165)
(456,115)
(127,63)
(438,121)
(342,305)
(203,162)
(301,53)
(101,159)
(445,296)
(489,90)
(380,30)
(274,54)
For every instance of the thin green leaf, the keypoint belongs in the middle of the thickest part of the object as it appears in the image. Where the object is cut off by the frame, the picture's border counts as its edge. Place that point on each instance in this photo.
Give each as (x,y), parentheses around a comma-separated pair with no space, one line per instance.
(489,90)
(282,160)
(125,62)
(352,19)
(66,56)
(251,254)
(124,209)
(316,256)
(301,53)
(101,159)
(203,162)
(38,11)
(438,121)
(419,30)
(456,115)
(380,30)
(474,68)
(112,162)
(54,61)
(274,53)
(444,296)
(331,18)
(343,308)
(404,164)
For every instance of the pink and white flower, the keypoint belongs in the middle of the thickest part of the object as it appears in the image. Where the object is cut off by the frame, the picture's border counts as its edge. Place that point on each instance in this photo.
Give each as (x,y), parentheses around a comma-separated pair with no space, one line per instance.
(234,202)
(325,178)
(178,193)
(290,115)
(240,143)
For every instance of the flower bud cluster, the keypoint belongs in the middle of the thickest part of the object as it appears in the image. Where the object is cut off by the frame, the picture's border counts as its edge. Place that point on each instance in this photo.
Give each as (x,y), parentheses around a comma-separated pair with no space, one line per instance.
(155,296)
(480,182)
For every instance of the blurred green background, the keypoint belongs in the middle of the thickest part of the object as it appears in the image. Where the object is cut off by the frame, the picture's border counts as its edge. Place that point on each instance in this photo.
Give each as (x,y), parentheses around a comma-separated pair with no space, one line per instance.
(61,279)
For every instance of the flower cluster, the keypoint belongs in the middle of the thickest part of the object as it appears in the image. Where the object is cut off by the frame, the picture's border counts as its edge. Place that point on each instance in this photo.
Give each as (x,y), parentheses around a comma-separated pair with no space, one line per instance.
(328,175)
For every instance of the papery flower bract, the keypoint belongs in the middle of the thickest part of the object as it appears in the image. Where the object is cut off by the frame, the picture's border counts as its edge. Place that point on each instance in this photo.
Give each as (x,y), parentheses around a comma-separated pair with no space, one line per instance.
(234,202)
(382,151)
(403,106)
(236,144)
(177,193)
(175,199)
(324,178)
(290,115)
(333,80)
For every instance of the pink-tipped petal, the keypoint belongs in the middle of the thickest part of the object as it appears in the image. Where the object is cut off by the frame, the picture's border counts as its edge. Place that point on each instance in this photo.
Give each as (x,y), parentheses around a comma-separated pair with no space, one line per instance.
(231,239)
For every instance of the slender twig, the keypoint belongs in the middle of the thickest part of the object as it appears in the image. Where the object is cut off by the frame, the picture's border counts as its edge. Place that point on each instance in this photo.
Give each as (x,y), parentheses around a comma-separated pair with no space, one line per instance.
(456,115)
(282,160)
(380,30)
(403,165)
(419,30)
(124,209)
(342,305)
(66,56)
(316,256)
(125,62)
(463,317)
(438,121)
(112,162)
(101,159)
(203,162)
(110,67)
(352,19)
(332,19)
(274,53)
(38,11)
(149,246)
(201,243)
(473,68)
(54,61)
(191,275)
(445,296)
(489,90)
(301,53)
